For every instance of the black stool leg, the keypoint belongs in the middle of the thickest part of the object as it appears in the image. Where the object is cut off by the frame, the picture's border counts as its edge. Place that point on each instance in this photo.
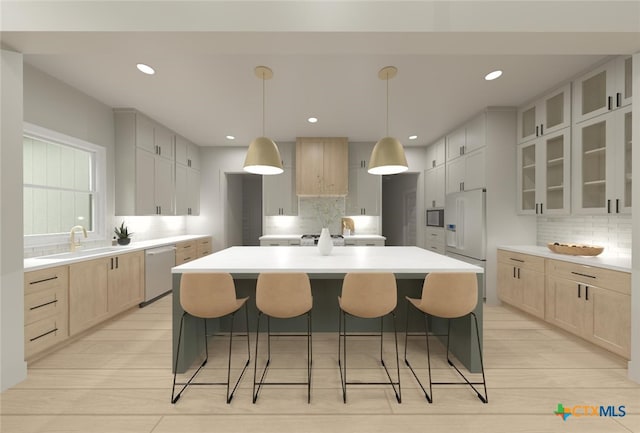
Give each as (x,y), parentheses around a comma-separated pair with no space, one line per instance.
(175,398)
(406,360)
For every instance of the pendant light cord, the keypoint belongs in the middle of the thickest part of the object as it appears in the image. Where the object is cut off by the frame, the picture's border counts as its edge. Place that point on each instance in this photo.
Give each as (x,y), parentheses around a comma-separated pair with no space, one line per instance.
(263,104)
(387,80)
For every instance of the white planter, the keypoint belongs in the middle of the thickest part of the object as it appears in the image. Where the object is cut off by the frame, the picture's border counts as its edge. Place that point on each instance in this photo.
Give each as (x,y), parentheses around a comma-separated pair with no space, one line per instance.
(325,244)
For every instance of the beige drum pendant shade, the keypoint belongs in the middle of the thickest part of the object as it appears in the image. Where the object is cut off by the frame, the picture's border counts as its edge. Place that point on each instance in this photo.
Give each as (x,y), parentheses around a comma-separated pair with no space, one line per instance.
(388,157)
(263,156)
(388,154)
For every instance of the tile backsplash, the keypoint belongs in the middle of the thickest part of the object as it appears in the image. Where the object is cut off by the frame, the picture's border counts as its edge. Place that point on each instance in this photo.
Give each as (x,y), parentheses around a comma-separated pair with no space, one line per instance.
(314,213)
(611,231)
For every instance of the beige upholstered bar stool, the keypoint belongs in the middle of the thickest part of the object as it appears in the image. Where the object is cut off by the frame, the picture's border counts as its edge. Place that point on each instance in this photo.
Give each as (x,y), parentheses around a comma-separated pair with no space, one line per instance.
(209,296)
(282,295)
(450,296)
(368,295)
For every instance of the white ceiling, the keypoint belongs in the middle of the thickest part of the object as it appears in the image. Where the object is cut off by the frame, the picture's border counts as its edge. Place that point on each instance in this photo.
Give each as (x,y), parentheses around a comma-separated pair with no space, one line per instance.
(205,87)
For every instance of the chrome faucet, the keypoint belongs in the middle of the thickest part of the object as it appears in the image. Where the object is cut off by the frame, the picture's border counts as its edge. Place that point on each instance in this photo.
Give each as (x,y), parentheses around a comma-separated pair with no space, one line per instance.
(72,237)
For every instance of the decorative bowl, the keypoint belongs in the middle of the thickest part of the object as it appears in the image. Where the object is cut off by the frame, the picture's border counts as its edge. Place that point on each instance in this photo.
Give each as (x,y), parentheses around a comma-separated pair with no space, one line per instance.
(575,249)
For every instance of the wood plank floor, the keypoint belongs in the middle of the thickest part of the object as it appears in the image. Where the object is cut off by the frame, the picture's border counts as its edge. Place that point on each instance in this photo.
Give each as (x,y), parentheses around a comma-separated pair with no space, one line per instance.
(118,379)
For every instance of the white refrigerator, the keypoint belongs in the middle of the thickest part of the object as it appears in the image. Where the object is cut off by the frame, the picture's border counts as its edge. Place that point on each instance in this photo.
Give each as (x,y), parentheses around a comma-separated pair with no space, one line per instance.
(465,227)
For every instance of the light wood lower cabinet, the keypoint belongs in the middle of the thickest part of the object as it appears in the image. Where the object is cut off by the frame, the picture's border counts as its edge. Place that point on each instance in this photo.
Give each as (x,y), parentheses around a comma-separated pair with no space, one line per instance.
(521,281)
(101,288)
(45,309)
(593,303)
(126,282)
(204,247)
(186,251)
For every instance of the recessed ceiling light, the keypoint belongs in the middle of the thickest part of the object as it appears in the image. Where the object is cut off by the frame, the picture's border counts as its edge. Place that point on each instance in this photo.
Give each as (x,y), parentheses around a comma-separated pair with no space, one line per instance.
(413,137)
(493,75)
(312,120)
(231,137)
(145,69)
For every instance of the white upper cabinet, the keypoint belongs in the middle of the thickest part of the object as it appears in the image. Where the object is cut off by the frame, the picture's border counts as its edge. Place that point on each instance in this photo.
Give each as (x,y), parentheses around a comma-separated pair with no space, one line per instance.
(546,115)
(434,188)
(455,143)
(602,164)
(604,89)
(543,175)
(436,153)
(187,153)
(365,190)
(279,191)
(145,166)
(466,173)
(466,139)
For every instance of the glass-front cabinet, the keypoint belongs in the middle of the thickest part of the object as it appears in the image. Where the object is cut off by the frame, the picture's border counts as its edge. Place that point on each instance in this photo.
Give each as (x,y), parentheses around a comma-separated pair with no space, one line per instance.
(544,175)
(604,89)
(602,164)
(545,115)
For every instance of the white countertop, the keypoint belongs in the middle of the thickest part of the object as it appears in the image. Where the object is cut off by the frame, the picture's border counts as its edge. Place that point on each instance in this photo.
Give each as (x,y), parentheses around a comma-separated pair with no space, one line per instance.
(622,264)
(253,260)
(294,236)
(62,259)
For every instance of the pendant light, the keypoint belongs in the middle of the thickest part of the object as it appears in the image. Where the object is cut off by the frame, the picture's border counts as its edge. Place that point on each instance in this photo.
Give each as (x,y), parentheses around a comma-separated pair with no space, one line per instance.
(388,154)
(263,156)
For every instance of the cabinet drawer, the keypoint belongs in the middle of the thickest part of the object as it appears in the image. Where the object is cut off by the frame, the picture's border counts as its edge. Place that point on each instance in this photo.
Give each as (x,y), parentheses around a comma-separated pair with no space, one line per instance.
(590,275)
(44,303)
(185,252)
(435,236)
(46,279)
(44,333)
(436,248)
(526,261)
(204,247)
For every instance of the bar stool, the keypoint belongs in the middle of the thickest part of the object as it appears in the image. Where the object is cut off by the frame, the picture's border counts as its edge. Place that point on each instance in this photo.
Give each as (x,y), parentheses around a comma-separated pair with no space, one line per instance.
(370,296)
(209,296)
(449,296)
(283,295)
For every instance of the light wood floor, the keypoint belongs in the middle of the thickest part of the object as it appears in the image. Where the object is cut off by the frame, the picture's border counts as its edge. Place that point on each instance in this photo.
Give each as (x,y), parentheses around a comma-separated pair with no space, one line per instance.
(118,379)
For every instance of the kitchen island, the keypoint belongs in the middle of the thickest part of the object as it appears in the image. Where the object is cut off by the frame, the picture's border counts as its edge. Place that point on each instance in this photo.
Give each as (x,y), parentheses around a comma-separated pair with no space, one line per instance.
(409,264)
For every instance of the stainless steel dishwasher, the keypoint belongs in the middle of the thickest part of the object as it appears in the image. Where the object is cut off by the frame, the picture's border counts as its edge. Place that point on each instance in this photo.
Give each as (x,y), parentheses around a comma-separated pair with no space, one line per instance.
(157,272)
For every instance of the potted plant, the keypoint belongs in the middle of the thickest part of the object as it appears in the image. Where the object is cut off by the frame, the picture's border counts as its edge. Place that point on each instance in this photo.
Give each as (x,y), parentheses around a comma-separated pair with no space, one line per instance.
(123,234)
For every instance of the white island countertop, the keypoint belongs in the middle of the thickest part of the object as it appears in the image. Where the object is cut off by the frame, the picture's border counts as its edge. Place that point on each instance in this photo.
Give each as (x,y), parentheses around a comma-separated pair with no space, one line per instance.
(293,236)
(408,262)
(622,264)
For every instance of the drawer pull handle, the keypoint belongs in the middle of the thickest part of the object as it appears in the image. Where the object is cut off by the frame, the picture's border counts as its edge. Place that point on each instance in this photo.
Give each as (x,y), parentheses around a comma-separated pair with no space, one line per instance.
(579,288)
(45,280)
(44,335)
(586,292)
(43,305)
(582,275)
(516,260)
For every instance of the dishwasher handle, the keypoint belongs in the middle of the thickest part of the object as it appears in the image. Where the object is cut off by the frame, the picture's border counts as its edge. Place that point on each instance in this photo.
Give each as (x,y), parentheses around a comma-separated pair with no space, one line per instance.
(156,251)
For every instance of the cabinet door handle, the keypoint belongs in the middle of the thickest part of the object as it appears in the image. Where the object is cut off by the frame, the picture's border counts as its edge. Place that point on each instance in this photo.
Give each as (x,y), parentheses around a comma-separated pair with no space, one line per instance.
(45,334)
(586,292)
(460,150)
(618,99)
(433,203)
(111,263)
(516,260)
(433,163)
(43,305)
(609,99)
(537,208)
(518,273)
(608,206)
(541,211)
(514,272)
(537,132)
(117,263)
(579,289)
(617,205)
(541,130)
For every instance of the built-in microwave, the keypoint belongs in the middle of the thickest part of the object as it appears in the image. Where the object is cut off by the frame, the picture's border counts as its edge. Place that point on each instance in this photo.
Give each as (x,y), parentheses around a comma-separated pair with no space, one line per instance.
(435,217)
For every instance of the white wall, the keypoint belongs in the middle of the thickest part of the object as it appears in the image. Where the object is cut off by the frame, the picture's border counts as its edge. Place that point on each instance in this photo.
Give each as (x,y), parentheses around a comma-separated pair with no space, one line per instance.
(13,369)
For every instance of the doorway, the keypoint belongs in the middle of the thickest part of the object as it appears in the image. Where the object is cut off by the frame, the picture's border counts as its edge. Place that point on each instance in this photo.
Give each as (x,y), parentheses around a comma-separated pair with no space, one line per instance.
(243,209)
(399,209)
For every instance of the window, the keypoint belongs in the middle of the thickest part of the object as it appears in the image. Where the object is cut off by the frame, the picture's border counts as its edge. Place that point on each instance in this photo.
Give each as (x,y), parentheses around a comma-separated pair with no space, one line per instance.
(61,180)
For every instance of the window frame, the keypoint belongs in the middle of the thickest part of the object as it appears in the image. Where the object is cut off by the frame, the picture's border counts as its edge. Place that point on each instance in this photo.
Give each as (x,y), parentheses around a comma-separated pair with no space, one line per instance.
(99,232)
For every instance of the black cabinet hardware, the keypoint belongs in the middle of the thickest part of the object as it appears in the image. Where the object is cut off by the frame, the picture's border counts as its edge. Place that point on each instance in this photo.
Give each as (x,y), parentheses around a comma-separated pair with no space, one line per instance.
(609,102)
(537,133)
(44,280)
(43,305)
(608,206)
(518,273)
(586,292)
(43,335)
(579,288)
(516,260)
(582,275)
(618,99)
(617,205)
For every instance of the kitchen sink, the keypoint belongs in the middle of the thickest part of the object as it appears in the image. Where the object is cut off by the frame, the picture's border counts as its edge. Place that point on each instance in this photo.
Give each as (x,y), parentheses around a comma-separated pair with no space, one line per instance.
(80,253)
